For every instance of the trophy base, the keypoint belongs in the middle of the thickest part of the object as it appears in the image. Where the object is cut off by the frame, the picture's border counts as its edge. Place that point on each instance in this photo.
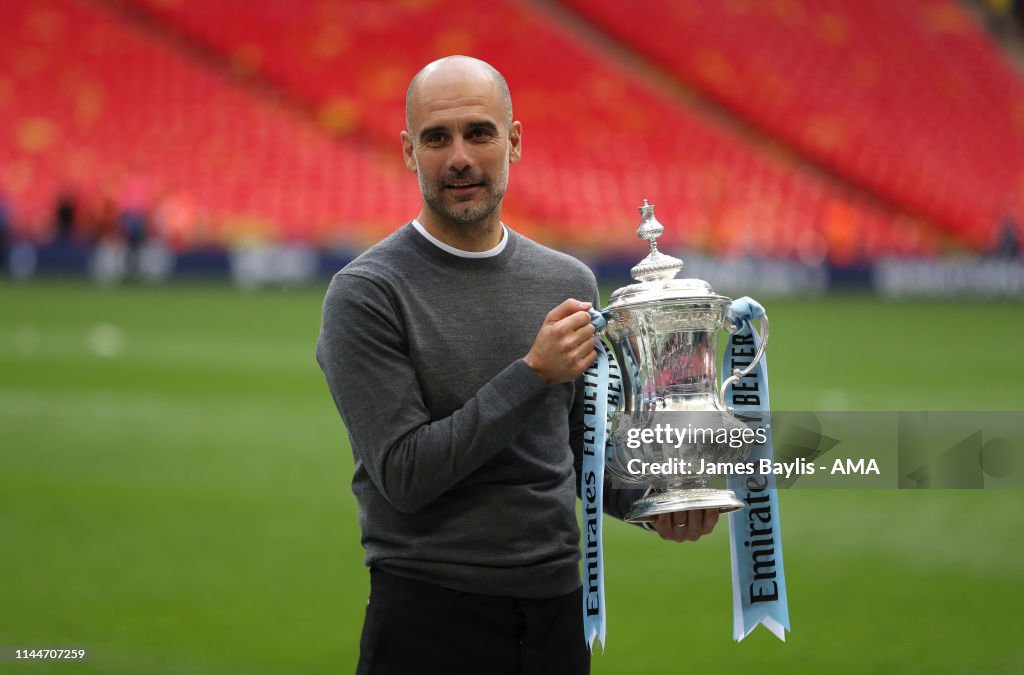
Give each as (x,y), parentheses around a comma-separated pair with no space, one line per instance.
(649,508)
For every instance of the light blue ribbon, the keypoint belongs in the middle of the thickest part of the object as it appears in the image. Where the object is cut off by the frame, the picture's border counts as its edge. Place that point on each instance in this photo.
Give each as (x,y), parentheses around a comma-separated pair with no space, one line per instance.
(755,535)
(595,422)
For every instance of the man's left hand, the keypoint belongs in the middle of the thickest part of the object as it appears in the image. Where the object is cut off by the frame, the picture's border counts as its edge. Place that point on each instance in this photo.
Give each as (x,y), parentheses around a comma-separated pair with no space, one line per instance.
(685,525)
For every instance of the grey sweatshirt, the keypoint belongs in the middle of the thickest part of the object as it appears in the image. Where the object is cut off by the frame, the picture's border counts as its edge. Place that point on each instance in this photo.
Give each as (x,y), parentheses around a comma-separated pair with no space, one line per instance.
(466,461)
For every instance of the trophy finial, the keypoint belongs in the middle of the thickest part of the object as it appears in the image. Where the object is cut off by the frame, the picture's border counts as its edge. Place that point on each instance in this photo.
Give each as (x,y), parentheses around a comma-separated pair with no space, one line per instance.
(650,229)
(656,266)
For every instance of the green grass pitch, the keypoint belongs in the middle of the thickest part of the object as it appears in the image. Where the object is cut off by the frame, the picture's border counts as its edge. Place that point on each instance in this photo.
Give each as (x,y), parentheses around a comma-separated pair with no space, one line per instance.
(174,496)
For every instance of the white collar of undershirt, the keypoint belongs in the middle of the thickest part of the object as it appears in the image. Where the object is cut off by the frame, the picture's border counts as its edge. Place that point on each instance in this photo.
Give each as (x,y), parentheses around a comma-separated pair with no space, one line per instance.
(489,253)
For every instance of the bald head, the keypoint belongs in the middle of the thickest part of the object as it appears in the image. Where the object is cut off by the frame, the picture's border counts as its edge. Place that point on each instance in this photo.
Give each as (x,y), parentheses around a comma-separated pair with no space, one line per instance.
(464,67)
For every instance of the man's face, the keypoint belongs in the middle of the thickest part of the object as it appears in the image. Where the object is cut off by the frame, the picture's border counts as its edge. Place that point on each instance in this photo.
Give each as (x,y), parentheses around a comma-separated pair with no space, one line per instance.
(460,146)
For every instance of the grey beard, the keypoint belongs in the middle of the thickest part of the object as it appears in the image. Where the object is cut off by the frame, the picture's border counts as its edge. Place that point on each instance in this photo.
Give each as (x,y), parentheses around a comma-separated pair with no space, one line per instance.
(462,214)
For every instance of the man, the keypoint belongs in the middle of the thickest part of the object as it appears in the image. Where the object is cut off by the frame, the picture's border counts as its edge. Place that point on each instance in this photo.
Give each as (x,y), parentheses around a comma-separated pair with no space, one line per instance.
(454,357)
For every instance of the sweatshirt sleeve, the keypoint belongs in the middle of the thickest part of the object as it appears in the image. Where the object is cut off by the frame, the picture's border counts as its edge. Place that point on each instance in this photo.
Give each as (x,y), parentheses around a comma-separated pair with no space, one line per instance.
(411,459)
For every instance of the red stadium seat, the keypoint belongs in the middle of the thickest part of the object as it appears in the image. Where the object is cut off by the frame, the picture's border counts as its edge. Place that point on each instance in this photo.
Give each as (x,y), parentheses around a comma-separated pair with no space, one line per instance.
(188,96)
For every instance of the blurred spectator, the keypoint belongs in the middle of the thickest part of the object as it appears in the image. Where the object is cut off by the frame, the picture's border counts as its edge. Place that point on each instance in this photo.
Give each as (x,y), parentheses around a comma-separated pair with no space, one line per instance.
(5,229)
(174,219)
(106,227)
(1008,246)
(66,215)
(134,217)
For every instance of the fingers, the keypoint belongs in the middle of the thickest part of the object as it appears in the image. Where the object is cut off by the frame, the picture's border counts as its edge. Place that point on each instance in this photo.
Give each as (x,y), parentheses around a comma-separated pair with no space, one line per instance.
(580,345)
(671,526)
(574,326)
(694,525)
(710,520)
(581,342)
(686,525)
(567,308)
(564,346)
(663,526)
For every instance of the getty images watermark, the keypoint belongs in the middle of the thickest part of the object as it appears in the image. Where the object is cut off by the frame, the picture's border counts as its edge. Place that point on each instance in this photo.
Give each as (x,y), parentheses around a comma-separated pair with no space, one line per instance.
(886,450)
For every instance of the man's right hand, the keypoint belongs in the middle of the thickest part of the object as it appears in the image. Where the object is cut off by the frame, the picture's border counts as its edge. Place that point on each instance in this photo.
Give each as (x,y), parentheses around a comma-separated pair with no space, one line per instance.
(564,346)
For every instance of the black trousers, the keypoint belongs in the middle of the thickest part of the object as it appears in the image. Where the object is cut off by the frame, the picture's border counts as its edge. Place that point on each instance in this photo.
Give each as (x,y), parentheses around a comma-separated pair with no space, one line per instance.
(413,627)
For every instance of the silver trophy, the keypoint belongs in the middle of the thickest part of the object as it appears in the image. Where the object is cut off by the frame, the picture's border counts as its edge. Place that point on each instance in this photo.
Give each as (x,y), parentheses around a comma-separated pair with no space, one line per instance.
(663,333)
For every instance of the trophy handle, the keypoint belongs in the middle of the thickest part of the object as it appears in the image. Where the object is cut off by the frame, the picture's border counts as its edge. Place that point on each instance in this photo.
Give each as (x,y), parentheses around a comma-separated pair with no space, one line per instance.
(737,373)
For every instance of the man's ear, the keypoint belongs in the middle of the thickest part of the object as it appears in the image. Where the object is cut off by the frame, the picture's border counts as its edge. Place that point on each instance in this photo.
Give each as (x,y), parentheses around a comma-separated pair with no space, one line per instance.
(515,142)
(408,152)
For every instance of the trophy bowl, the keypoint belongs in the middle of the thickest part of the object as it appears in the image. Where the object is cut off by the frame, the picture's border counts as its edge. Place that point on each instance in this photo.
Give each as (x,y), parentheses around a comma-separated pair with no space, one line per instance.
(663,333)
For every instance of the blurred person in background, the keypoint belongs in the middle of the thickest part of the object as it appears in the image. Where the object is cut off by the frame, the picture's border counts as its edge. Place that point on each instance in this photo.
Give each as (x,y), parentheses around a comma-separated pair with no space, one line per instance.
(1007,245)
(174,219)
(65,216)
(5,229)
(135,202)
(106,229)
(454,350)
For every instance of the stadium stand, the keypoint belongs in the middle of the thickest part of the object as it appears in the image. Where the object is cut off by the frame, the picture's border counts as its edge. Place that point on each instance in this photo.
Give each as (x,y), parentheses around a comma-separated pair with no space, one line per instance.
(281,119)
(909,99)
(101,108)
(598,140)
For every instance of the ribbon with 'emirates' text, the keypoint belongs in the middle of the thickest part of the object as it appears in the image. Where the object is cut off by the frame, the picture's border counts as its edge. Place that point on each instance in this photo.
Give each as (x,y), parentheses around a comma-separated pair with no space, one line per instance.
(755,536)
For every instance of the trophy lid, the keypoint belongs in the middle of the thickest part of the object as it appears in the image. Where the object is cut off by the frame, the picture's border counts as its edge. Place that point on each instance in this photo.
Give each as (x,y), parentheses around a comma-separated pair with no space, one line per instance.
(656,274)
